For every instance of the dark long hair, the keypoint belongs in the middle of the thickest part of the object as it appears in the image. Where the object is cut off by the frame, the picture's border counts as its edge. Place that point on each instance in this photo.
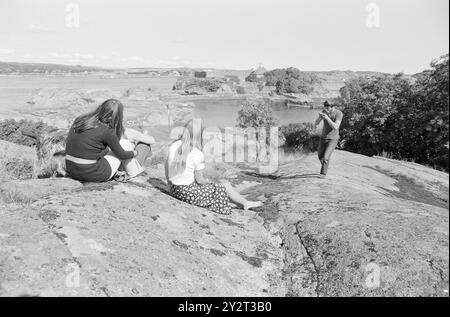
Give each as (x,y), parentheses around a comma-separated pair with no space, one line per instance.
(109,114)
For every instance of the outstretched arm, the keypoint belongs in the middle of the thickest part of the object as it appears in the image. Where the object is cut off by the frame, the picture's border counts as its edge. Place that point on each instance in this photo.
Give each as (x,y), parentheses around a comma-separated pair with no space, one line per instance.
(111,140)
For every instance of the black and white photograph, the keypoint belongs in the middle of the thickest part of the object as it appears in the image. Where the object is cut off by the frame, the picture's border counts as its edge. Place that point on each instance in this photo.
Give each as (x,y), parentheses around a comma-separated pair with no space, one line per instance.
(212,151)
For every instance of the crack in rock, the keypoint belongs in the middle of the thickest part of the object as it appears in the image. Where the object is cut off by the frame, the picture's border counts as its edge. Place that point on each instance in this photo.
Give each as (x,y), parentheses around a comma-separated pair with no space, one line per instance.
(311,258)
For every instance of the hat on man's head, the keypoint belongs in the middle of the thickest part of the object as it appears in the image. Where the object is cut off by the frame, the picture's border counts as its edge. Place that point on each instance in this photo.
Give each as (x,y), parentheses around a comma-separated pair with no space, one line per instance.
(327,104)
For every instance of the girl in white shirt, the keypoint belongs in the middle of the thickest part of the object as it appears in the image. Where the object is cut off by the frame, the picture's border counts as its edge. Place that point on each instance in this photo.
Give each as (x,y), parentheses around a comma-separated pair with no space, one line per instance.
(184,172)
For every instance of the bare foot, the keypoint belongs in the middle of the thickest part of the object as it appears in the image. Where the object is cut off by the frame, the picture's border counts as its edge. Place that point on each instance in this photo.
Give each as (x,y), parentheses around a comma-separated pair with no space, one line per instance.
(121,177)
(252,204)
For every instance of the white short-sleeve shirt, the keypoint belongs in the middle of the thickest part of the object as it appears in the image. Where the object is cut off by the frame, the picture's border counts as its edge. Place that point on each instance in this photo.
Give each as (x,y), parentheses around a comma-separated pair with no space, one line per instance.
(195,161)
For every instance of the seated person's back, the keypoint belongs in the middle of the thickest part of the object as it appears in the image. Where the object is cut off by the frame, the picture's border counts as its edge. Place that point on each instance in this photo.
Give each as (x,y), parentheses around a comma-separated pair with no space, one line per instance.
(194,162)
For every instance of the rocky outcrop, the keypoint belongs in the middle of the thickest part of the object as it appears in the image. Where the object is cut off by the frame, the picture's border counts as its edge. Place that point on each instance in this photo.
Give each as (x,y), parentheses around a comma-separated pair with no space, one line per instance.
(125,240)
(297,99)
(138,93)
(59,106)
(203,86)
(62,98)
(373,227)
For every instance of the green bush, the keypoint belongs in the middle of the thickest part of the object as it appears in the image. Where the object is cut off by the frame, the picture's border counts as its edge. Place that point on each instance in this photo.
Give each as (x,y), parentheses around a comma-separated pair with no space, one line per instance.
(256,114)
(403,119)
(18,168)
(300,137)
(21,132)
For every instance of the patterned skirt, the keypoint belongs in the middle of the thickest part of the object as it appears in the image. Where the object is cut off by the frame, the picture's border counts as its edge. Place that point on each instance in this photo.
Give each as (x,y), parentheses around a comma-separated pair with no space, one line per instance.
(210,196)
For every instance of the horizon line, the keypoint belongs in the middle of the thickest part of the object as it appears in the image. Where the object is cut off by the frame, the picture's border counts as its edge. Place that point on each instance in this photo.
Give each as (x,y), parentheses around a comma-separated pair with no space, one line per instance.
(203,68)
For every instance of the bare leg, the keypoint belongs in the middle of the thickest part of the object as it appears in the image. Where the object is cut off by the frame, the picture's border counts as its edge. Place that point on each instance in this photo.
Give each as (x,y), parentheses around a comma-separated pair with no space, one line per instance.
(132,166)
(114,163)
(237,198)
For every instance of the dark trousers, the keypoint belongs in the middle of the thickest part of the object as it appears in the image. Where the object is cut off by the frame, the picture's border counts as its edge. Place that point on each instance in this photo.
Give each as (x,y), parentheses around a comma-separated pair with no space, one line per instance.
(326,148)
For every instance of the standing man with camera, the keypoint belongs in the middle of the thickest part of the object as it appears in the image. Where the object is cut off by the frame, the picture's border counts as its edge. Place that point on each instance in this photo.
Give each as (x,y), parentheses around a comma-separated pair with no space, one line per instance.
(332,119)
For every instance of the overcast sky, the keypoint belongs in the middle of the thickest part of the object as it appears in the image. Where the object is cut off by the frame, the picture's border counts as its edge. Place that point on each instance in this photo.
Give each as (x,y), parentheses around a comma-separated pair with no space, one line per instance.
(238,34)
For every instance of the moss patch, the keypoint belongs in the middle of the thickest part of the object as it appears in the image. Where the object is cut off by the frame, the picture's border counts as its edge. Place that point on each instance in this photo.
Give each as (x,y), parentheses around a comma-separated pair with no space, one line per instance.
(410,190)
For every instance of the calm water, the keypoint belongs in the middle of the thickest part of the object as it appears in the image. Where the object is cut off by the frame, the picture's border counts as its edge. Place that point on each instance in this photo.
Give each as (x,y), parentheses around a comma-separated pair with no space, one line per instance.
(16,90)
(223,112)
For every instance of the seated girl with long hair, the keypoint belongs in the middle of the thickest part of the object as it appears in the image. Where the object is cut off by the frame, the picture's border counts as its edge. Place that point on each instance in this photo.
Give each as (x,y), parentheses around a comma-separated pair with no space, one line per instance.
(98,145)
(184,173)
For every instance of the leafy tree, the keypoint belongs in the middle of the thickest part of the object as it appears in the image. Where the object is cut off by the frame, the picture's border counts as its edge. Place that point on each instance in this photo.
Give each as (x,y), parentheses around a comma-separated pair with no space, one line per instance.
(424,119)
(367,103)
(407,119)
(273,76)
(291,80)
(257,115)
(252,78)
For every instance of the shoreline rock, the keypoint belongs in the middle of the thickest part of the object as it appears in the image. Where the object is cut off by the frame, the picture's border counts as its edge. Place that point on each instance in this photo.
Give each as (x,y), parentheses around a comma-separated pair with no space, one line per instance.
(59,106)
(359,232)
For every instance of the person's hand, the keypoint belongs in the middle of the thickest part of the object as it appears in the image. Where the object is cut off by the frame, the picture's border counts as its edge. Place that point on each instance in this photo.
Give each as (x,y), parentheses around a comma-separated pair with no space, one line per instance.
(135,153)
(324,115)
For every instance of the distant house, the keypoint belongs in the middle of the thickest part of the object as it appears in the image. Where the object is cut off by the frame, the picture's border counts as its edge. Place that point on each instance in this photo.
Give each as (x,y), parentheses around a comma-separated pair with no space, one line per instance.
(200,74)
(171,73)
(259,72)
(185,72)
(232,78)
(256,74)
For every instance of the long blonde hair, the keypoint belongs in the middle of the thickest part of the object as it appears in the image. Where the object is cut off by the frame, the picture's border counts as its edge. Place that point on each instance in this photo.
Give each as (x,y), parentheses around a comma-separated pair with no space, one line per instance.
(190,138)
